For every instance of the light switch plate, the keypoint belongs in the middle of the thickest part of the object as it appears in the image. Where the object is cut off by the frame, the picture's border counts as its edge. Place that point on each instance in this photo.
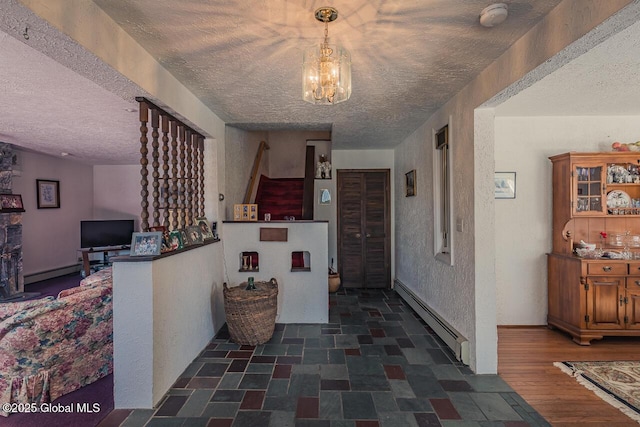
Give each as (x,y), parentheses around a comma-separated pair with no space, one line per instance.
(460,225)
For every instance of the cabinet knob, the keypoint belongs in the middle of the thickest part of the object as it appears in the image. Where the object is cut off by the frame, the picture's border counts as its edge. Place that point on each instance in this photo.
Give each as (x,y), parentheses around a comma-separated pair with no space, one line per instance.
(637,282)
(606,268)
(368,235)
(358,235)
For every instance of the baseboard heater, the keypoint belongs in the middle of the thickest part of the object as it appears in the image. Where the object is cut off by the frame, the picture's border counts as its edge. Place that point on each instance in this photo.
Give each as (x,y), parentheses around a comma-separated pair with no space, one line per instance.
(50,274)
(458,344)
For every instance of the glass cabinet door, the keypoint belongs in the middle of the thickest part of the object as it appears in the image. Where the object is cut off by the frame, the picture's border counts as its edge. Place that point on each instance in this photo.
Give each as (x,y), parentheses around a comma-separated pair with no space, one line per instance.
(588,187)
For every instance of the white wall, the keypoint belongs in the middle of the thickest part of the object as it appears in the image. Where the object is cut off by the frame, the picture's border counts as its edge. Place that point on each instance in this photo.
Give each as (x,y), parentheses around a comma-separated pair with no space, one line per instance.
(465,293)
(51,237)
(288,152)
(164,313)
(302,295)
(116,192)
(523,225)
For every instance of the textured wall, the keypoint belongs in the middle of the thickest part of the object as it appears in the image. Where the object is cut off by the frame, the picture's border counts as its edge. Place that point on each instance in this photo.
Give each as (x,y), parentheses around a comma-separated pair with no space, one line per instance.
(464,293)
(240,151)
(288,152)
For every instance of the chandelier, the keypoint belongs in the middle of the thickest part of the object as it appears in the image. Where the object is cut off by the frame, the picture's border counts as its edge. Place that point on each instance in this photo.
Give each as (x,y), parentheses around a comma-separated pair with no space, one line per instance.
(326,69)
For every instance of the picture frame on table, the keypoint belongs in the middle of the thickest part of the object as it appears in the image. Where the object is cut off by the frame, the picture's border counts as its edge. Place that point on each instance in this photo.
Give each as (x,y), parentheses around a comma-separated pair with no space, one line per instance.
(410,183)
(505,185)
(146,243)
(11,203)
(194,235)
(184,237)
(175,240)
(48,193)
(165,237)
(205,229)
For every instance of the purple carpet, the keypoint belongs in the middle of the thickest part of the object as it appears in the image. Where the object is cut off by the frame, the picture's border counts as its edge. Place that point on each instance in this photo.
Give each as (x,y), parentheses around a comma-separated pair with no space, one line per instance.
(98,395)
(53,286)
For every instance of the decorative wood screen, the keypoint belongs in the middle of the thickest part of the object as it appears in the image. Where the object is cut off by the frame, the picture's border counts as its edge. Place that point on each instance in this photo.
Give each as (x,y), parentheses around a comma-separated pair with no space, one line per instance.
(177,170)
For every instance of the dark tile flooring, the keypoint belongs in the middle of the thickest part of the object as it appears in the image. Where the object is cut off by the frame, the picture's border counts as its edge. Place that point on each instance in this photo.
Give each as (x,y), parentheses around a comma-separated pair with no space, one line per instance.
(374,364)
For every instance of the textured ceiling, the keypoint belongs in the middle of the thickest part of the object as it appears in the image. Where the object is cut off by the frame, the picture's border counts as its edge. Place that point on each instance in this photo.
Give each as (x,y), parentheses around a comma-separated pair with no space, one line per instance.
(605,81)
(243,59)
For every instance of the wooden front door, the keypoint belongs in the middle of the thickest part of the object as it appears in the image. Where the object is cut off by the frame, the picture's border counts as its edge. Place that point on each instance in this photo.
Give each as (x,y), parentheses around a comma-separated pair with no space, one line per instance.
(364,228)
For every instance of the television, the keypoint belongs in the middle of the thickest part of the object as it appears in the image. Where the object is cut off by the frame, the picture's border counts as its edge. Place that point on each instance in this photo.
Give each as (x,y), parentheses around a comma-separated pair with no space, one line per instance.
(105,233)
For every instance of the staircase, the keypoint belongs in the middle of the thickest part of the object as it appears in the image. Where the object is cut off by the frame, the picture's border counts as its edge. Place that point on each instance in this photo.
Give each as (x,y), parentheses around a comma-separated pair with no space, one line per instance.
(280,197)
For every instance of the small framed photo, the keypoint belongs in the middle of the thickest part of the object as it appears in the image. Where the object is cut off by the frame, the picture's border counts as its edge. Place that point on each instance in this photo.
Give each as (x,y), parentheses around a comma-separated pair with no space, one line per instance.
(410,183)
(146,244)
(175,240)
(166,244)
(183,237)
(194,235)
(48,192)
(505,185)
(11,203)
(205,230)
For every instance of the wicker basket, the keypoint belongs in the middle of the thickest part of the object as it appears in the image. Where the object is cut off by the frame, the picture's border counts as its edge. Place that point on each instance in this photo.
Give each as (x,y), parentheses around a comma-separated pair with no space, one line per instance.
(251,315)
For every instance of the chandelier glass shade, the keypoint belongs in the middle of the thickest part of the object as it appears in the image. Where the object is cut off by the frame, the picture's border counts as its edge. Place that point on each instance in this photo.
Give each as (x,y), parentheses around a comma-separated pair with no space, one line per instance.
(326,68)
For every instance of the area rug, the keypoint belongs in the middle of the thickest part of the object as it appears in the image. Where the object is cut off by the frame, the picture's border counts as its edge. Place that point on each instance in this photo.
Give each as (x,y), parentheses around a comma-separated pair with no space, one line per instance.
(617,383)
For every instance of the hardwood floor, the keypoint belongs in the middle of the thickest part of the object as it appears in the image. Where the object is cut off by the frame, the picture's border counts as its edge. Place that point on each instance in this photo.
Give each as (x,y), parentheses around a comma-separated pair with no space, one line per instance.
(525,362)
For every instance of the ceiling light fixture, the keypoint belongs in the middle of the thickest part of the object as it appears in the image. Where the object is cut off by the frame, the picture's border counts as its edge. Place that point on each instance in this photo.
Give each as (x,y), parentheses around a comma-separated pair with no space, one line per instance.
(326,69)
(493,15)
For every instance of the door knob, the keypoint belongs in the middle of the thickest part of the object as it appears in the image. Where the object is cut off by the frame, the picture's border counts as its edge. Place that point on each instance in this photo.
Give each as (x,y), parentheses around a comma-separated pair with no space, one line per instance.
(358,235)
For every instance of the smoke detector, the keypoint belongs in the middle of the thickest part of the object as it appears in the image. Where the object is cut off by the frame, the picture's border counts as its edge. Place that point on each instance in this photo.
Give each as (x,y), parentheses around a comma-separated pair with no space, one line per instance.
(493,15)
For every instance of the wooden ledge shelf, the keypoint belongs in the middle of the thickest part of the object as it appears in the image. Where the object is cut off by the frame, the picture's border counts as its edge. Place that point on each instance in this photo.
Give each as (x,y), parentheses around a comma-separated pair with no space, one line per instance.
(162,255)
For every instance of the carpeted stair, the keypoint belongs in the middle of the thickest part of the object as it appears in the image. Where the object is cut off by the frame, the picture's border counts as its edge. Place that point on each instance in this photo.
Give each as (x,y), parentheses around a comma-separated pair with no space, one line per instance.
(280,197)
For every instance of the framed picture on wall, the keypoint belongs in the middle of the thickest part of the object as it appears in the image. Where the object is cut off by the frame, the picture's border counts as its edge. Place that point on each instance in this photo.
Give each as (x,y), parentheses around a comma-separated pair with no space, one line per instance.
(48,192)
(410,183)
(505,185)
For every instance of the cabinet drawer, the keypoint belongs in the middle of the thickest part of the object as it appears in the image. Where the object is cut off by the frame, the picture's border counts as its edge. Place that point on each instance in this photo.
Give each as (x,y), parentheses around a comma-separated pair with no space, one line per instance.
(634,268)
(599,268)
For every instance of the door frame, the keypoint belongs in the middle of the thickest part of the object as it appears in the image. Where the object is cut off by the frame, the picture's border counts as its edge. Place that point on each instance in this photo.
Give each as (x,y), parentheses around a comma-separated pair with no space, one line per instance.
(387,213)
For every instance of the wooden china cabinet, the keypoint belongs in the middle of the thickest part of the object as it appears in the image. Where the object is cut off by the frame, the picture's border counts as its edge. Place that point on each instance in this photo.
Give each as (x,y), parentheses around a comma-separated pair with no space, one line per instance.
(595,194)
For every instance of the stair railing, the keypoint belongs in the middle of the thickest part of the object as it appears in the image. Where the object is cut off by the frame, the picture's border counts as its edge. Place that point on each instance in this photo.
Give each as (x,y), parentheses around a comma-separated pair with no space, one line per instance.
(254,172)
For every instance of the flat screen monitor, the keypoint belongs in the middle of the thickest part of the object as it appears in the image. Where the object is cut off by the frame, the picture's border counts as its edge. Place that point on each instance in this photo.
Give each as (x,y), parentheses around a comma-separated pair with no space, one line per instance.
(105,233)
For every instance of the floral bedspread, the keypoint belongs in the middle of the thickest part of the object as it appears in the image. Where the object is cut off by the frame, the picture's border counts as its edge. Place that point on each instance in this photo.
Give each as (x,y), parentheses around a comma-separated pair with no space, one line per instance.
(51,347)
